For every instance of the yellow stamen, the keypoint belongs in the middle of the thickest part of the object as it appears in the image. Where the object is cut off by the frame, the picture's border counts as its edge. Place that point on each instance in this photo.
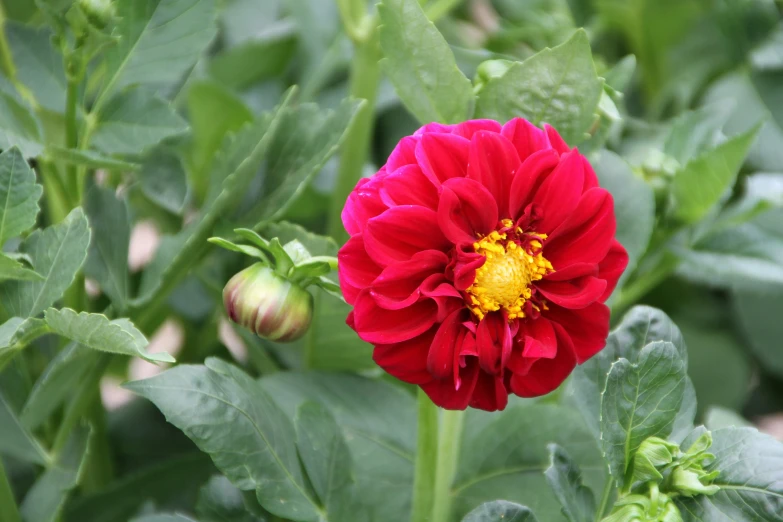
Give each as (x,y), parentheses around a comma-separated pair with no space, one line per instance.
(503,282)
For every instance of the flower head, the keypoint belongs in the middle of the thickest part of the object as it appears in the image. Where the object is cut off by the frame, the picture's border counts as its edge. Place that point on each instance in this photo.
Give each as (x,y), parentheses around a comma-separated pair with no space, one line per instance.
(479,261)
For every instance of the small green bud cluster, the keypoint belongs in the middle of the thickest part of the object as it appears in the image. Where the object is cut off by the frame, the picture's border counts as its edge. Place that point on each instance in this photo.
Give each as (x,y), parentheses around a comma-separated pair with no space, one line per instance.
(658,169)
(659,472)
(270,297)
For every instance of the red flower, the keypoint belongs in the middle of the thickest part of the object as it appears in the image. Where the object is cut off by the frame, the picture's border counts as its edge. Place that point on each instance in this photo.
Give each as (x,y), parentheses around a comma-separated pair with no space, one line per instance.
(479,261)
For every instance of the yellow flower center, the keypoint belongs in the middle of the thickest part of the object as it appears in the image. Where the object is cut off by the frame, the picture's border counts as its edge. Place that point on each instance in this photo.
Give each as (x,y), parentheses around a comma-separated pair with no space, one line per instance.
(503,281)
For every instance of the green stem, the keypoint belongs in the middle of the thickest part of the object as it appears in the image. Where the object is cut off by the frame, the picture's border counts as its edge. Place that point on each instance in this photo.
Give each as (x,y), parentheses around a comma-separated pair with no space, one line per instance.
(426,459)
(365,75)
(607,494)
(9,512)
(448,452)
(71,133)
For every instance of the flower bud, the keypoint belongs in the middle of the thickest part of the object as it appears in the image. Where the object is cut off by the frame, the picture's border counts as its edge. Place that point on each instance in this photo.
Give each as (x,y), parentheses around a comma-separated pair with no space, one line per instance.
(98,12)
(689,482)
(653,454)
(268,304)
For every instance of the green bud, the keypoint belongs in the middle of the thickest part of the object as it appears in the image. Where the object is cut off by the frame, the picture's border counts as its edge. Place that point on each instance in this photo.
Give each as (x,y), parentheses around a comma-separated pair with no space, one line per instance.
(689,482)
(653,453)
(98,12)
(670,513)
(489,70)
(268,304)
(632,508)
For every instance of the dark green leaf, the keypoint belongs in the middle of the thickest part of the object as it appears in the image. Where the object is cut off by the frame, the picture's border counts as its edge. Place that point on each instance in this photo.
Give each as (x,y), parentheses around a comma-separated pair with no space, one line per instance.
(695,131)
(420,64)
(163,518)
(19,195)
(90,159)
(500,511)
(220,501)
(57,254)
(565,479)
(641,400)
(718,418)
(163,179)
(558,86)
(38,64)
(16,441)
(18,125)
(15,334)
(12,269)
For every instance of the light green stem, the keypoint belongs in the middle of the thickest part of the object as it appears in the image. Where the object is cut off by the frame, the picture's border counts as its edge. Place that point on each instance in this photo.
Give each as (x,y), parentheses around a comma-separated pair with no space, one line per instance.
(426,459)
(448,453)
(9,512)
(607,494)
(71,132)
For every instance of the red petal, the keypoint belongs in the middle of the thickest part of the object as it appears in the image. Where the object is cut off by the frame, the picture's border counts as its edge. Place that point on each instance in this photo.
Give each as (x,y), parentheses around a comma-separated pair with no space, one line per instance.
(398,285)
(378,326)
(469,128)
(443,156)
(446,394)
(363,203)
(559,193)
(466,263)
(526,137)
(466,210)
(490,393)
(612,267)
(493,340)
(572,272)
(357,270)
(576,293)
(407,360)
(555,139)
(527,179)
(587,328)
(400,232)
(435,128)
(547,374)
(403,154)
(591,180)
(493,162)
(409,186)
(540,339)
(447,341)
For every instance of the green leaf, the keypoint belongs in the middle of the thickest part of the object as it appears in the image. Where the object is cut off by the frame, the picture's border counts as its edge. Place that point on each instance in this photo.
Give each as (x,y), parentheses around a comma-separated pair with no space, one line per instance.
(500,511)
(134,121)
(97,332)
(565,479)
(223,410)
(19,195)
(107,260)
(641,400)
(693,132)
(57,253)
(16,441)
(12,269)
(326,458)
(159,41)
(634,204)
(15,334)
(420,64)
(686,416)
(504,455)
(163,518)
(220,501)
(641,326)
(163,180)
(44,502)
(90,159)
(718,418)
(701,183)
(378,421)
(18,125)
(750,480)
(214,112)
(38,64)
(315,244)
(759,316)
(558,86)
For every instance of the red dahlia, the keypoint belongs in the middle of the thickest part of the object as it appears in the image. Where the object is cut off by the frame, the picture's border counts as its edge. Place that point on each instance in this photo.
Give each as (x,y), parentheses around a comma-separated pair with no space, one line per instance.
(479,261)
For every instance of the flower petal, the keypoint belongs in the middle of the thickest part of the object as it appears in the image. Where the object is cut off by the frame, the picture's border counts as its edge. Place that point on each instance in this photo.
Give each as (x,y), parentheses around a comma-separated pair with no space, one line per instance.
(398,286)
(468,128)
(587,328)
(525,137)
(560,192)
(443,156)
(446,394)
(363,203)
(528,178)
(379,326)
(357,270)
(554,138)
(547,374)
(403,154)
(406,360)
(447,342)
(575,293)
(409,186)
(612,267)
(493,340)
(493,161)
(400,232)
(490,393)
(466,210)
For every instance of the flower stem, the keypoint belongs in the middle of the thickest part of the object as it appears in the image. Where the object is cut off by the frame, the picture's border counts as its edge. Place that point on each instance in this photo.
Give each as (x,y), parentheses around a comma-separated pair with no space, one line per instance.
(607,494)
(9,512)
(71,133)
(448,452)
(365,75)
(426,459)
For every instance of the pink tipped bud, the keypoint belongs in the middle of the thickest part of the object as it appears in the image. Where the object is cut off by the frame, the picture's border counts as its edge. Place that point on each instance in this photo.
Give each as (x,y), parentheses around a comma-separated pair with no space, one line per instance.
(268,304)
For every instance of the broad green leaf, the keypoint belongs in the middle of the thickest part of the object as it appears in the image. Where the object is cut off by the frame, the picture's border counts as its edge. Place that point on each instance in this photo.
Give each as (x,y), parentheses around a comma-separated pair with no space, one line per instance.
(763,191)
(641,400)
(640,326)
(16,441)
(306,138)
(44,502)
(12,269)
(90,159)
(220,501)
(159,40)
(565,479)
(18,125)
(15,334)
(38,64)
(686,416)
(558,86)
(241,20)
(97,332)
(163,179)
(19,195)
(767,85)
(107,260)
(222,410)
(759,316)
(57,254)
(161,483)
(701,183)
(751,480)
(634,204)
(534,23)
(163,518)
(769,55)
(694,131)
(240,160)
(287,232)
(500,511)
(214,112)
(420,64)
(504,455)
(378,421)
(718,418)
(135,120)
(326,458)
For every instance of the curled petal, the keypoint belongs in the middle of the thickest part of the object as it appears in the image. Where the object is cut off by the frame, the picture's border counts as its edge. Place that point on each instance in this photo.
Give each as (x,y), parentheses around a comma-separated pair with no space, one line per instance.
(446,394)
(525,137)
(406,360)
(445,346)
(362,204)
(576,293)
(547,374)
(587,328)
(528,178)
(434,128)
(409,186)
(372,322)
(357,270)
(468,128)
(493,341)
(493,161)
(560,192)
(612,267)
(400,232)
(398,286)
(403,154)
(442,157)
(466,211)
(490,393)
(554,138)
